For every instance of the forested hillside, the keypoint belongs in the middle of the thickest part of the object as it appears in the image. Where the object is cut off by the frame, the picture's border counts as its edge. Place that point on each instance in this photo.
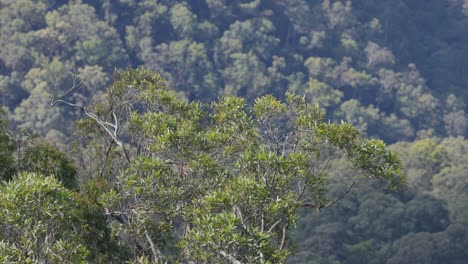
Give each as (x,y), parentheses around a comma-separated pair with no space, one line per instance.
(395,70)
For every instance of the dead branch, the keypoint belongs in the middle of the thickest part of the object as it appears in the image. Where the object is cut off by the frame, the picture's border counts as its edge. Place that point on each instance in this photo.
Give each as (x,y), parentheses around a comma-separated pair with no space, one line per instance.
(112,129)
(283,239)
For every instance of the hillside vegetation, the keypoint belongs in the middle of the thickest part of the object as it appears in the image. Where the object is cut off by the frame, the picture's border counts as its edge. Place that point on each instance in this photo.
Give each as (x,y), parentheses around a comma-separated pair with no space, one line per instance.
(226,96)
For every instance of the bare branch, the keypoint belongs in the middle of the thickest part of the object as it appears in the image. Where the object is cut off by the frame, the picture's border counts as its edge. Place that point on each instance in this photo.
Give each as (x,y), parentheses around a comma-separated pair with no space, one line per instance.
(104,125)
(76,84)
(333,202)
(274,225)
(348,190)
(106,157)
(302,189)
(112,129)
(310,205)
(283,239)
(155,251)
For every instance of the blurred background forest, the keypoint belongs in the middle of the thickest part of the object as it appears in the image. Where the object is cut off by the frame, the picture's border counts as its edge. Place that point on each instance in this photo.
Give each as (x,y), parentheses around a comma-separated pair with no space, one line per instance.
(396,69)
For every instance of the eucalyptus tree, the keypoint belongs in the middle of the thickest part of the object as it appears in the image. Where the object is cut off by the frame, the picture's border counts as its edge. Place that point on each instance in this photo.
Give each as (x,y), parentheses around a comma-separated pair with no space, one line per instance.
(221,182)
(43,222)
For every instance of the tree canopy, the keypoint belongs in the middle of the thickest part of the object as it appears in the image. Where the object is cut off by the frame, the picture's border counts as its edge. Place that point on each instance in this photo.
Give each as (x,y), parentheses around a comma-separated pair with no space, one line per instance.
(241,131)
(203,182)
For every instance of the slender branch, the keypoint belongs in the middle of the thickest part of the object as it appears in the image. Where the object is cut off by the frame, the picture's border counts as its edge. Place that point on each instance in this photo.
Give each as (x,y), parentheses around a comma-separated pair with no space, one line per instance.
(302,190)
(274,225)
(263,223)
(104,125)
(237,211)
(91,115)
(101,169)
(310,205)
(127,156)
(153,248)
(343,195)
(283,239)
(348,190)
(115,119)
(111,129)
(73,87)
(57,100)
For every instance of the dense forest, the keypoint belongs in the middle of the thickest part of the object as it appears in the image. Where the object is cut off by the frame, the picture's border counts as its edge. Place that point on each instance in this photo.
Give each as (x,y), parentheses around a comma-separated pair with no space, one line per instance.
(233,131)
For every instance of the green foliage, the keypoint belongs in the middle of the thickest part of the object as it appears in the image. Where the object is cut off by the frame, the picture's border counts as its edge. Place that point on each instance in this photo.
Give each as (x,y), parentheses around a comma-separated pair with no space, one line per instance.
(42,221)
(7,148)
(331,51)
(32,154)
(225,181)
(45,159)
(88,40)
(395,70)
(425,223)
(10,253)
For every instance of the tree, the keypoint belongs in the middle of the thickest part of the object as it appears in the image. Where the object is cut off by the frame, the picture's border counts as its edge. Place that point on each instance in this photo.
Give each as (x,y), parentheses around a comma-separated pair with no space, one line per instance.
(455,118)
(186,65)
(378,56)
(32,154)
(223,182)
(423,248)
(7,148)
(74,32)
(41,157)
(42,222)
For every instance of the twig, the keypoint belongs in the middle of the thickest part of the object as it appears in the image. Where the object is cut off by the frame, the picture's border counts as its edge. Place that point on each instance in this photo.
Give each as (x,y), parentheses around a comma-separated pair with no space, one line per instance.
(111,129)
(274,225)
(348,190)
(343,195)
(153,248)
(283,239)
